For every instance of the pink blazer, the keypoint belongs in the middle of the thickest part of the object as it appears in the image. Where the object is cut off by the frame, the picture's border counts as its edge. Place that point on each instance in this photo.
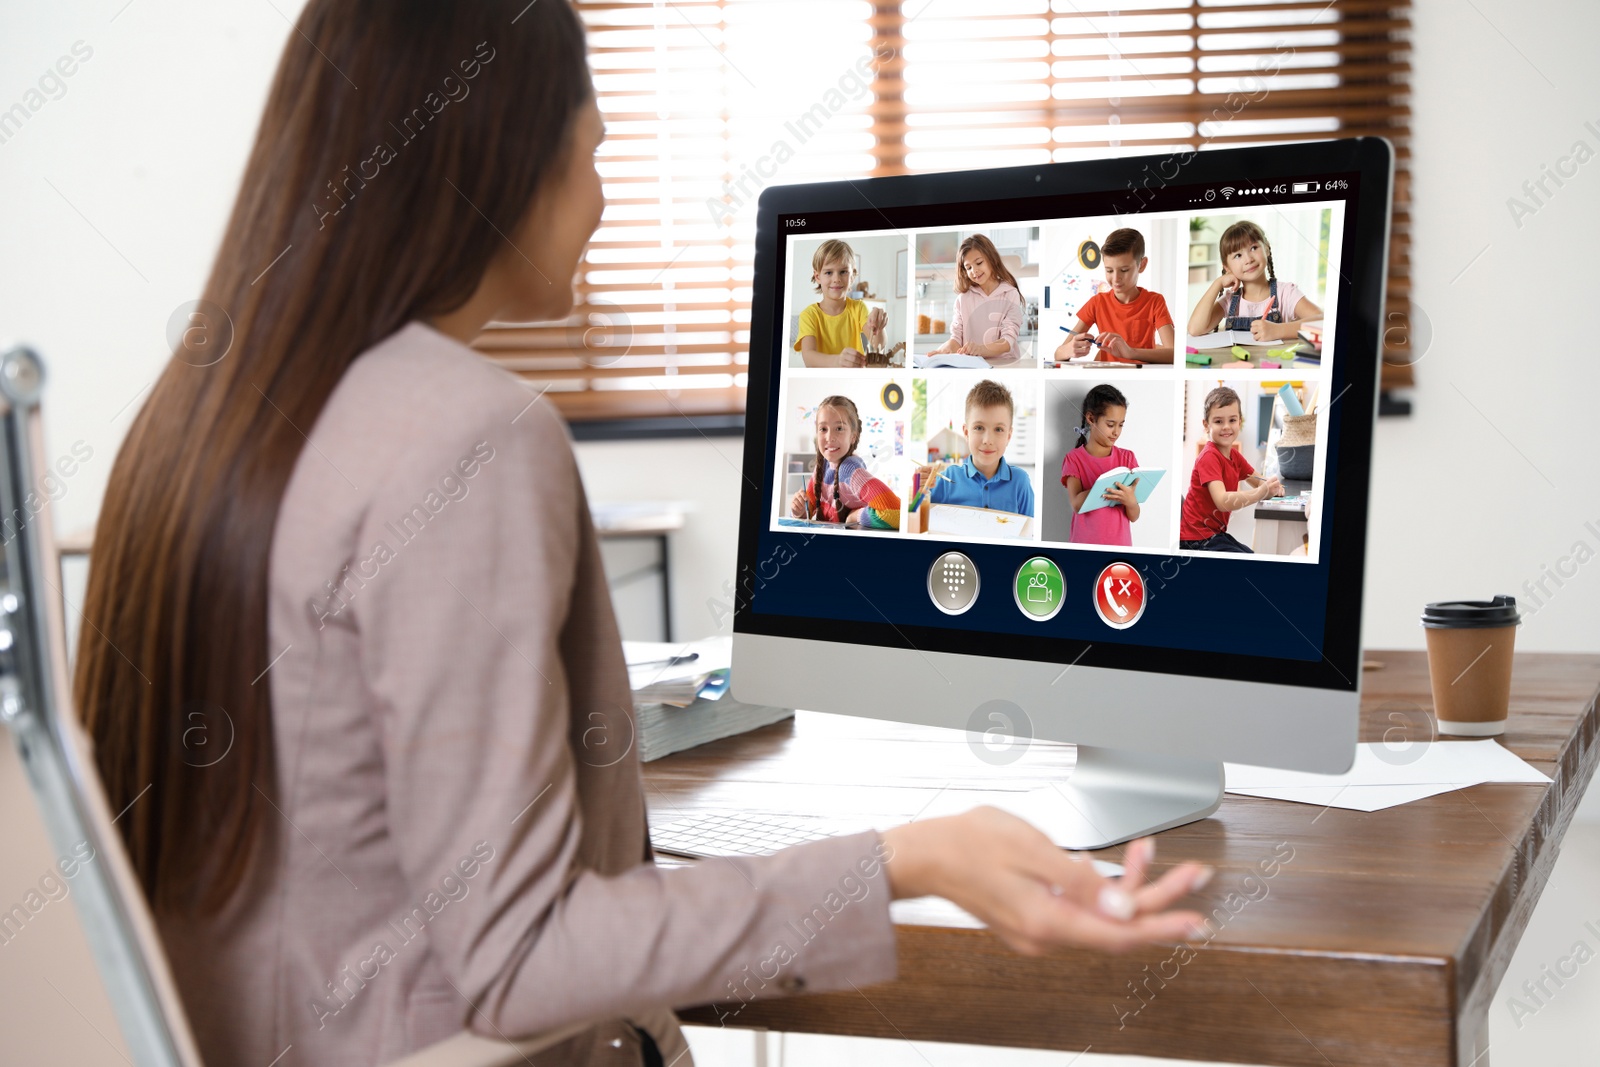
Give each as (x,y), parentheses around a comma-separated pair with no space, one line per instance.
(458,814)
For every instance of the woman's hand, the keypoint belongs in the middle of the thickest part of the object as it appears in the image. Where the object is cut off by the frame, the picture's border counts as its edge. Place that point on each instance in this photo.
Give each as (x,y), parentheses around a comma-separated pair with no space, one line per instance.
(797,504)
(1034,896)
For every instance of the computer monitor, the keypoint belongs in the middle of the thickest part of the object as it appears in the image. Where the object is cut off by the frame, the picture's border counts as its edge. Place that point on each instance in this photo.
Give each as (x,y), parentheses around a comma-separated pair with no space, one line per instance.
(990,601)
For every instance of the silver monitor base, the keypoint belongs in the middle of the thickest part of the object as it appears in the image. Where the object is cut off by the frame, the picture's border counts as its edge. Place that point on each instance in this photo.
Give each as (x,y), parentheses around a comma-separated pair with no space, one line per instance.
(1116,795)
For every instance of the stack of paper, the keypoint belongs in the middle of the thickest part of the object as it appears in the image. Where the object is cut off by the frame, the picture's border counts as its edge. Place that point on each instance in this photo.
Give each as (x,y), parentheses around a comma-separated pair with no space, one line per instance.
(680,695)
(1384,776)
(676,672)
(664,730)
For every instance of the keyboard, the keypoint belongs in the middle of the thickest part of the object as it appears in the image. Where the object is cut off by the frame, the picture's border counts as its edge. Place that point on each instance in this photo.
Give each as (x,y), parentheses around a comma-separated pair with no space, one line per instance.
(738,834)
(754,833)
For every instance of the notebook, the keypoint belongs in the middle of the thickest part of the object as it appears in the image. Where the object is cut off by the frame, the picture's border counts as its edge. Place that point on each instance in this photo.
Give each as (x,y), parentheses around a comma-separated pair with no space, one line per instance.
(789,520)
(964,521)
(1098,361)
(1222,339)
(950,359)
(1148,478)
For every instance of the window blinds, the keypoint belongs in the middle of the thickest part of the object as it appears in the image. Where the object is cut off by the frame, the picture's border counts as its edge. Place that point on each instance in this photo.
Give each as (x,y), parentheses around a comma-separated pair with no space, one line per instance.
(706,103)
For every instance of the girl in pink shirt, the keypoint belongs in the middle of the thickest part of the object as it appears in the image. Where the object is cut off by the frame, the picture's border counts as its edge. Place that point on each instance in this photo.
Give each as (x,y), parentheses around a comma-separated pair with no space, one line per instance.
(988,314)
(1105,410)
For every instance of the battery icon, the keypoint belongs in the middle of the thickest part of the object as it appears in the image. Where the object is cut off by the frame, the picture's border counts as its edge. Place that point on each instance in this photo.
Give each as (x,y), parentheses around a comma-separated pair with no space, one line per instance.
(1305,187)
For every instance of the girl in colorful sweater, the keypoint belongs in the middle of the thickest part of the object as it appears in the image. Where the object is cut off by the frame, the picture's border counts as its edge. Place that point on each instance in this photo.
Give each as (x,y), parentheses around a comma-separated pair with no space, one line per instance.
(841,489)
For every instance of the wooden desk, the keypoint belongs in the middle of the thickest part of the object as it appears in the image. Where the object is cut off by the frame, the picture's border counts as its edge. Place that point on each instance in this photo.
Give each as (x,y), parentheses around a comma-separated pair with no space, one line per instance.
(1380,942)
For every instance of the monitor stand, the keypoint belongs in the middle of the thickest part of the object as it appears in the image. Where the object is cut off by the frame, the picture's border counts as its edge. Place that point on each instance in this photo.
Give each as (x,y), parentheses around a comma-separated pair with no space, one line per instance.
(1116,794)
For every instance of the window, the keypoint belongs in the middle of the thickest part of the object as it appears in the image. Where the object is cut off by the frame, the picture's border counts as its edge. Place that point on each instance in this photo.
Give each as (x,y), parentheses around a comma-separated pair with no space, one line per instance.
(708,102)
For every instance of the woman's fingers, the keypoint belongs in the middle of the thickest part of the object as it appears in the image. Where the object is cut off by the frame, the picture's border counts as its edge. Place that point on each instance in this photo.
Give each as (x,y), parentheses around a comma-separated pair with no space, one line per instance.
(1136,863)
(1078,927)
(1037,897)
(1169,888)
(1045,922)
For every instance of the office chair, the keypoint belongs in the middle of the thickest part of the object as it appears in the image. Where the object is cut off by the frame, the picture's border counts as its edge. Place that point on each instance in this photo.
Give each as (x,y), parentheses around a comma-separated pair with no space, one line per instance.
(107,968)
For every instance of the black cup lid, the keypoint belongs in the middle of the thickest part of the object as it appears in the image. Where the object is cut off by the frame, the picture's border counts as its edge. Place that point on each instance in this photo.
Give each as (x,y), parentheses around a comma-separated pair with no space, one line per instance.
(1471,614)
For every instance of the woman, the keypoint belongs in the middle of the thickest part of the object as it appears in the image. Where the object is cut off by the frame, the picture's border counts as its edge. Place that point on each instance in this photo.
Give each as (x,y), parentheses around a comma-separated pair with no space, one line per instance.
(351,665)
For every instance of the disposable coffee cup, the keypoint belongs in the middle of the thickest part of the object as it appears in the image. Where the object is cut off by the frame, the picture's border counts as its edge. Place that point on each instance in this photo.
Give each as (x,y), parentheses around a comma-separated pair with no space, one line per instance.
(1469,663)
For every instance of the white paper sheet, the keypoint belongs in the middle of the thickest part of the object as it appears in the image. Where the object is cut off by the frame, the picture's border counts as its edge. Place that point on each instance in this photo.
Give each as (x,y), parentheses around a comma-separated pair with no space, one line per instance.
(1384,776)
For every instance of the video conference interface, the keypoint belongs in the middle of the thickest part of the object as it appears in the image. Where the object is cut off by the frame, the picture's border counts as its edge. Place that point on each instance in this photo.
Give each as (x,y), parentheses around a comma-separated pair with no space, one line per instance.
(1147,382)
(1099,391)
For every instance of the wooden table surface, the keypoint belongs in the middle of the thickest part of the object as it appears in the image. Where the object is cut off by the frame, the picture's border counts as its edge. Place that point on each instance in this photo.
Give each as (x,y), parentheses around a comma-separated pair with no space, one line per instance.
(1379,938)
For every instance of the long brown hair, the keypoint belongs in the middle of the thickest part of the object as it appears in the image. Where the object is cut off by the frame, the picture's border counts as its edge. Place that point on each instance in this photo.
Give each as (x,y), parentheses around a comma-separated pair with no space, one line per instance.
(400,140)
(983,246)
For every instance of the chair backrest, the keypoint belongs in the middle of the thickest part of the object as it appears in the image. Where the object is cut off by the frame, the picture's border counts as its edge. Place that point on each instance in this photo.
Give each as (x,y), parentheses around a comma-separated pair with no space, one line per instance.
(86,861)
(85,983)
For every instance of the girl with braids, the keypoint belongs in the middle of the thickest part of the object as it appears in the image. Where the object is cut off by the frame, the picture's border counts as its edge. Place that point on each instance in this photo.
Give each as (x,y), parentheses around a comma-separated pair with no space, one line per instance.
(1103,415)
(1248,295)
(841,488)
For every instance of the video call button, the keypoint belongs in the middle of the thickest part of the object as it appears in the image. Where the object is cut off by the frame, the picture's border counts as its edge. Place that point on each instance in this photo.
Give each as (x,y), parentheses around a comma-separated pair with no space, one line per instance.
(1119,595)
(1039,588)
(953,583)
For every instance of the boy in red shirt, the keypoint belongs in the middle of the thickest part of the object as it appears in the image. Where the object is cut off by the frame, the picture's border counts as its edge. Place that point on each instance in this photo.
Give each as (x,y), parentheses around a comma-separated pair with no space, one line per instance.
(1219,470)
(1134,323)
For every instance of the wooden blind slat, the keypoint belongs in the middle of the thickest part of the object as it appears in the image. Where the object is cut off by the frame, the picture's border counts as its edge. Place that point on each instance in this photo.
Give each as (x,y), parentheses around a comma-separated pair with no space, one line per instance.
(671,285)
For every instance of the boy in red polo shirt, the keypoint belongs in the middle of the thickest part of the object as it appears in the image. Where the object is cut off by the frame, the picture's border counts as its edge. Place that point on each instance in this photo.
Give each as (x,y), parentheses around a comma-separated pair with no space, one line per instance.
(1219,470)
(1134,323)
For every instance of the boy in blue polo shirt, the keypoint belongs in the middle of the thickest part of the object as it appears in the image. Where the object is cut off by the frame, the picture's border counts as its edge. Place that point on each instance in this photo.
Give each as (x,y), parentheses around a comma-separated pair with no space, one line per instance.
(984,479)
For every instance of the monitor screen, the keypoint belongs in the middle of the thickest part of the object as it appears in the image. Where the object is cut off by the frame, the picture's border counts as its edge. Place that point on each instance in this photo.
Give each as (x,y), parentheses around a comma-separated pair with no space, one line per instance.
(1110,425)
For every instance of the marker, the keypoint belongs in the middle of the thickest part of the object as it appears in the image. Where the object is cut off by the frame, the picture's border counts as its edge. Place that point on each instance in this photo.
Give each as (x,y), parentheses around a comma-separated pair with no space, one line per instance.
(1091,340)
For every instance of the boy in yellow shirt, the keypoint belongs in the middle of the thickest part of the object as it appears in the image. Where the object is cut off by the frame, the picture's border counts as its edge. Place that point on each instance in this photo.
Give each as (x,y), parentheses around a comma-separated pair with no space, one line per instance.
(831,328)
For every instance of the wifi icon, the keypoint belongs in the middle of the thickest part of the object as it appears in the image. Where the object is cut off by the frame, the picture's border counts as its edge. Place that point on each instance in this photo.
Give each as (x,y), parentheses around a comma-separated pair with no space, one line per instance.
(1227,191)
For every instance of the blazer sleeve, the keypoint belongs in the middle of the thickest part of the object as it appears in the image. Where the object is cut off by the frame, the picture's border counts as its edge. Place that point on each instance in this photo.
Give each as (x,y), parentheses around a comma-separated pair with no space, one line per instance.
(466,650)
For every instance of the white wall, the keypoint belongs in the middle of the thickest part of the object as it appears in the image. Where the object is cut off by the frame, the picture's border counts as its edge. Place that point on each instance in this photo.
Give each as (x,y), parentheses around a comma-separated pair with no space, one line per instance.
(116,194)
(1495,475)
(1492,479)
